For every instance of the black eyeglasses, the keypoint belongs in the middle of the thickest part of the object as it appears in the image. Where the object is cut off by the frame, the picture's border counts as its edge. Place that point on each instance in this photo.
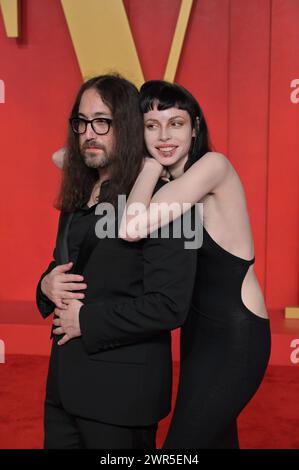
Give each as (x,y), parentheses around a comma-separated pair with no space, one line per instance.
(100,126)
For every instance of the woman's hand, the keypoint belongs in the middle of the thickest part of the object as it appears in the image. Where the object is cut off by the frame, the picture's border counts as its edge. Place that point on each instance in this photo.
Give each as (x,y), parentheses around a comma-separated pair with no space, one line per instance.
(165,175)
(151,164)
(58,158)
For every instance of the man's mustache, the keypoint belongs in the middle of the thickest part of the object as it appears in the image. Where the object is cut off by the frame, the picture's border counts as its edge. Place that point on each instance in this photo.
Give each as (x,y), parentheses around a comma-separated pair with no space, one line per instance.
(92,144)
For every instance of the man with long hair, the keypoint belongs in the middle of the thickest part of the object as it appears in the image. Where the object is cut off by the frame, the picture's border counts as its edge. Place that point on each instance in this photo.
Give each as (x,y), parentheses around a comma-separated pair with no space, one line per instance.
(114,303)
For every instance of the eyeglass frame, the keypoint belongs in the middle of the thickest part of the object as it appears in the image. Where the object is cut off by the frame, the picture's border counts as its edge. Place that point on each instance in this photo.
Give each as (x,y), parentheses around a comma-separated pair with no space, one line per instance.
(90,121)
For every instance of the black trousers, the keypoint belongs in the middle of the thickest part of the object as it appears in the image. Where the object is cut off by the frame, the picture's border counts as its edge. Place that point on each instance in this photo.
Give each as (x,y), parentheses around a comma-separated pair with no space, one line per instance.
(65,431)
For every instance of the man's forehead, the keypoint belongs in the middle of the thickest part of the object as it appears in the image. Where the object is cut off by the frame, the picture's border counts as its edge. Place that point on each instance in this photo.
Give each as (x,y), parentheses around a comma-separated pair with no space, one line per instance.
(92,104)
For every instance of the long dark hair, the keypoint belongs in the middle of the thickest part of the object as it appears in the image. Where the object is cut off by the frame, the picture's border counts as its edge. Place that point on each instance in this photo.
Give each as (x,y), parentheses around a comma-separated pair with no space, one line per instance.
(122,98)
(167,95)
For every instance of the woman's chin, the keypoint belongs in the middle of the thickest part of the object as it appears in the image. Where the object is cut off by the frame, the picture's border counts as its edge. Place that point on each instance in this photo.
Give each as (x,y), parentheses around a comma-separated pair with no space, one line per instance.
(165,161)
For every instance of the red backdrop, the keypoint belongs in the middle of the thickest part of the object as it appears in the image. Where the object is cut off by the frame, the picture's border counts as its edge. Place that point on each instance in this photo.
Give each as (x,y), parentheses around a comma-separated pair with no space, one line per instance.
(238,59)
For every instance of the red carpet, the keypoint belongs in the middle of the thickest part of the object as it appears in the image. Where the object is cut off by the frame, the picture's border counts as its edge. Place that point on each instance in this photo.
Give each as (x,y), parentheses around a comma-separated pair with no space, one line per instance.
(269,422)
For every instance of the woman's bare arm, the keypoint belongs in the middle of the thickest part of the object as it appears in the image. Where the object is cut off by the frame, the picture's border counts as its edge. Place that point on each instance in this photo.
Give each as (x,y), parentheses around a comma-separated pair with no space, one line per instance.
(140,196)
(174,198)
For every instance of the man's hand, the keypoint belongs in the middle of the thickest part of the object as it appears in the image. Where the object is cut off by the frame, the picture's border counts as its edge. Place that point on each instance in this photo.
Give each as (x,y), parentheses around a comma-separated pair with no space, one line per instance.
(58,285)
(68,321)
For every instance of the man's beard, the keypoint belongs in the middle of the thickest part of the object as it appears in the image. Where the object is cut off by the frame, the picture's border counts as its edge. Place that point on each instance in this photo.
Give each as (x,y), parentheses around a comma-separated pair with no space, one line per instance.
(99,161)
(93,160)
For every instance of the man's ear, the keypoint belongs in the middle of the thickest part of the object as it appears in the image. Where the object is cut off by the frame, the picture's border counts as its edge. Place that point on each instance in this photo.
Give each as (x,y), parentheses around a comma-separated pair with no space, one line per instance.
(58,158)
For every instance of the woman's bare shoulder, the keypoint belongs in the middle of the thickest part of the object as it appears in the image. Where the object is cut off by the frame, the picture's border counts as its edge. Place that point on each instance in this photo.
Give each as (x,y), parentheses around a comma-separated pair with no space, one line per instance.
(216,158)
(213,161)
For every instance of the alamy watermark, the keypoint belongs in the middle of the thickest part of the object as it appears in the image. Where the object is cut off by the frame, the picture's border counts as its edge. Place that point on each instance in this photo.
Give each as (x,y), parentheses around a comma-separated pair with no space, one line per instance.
(176,221)
(294,357)
(2,91)
(2,352)
(294,96)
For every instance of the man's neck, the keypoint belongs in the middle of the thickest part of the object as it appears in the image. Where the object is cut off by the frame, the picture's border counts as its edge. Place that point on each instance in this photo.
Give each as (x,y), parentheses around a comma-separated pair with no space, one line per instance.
(103,175)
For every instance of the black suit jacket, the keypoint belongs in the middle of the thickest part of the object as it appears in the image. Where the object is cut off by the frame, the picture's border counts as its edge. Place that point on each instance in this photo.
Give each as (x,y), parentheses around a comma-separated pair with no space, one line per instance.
(120,370)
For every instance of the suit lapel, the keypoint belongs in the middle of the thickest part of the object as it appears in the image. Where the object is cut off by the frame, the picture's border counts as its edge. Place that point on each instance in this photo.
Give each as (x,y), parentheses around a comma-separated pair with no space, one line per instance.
(90,240)
(86,248)
(90,243)
(62,252)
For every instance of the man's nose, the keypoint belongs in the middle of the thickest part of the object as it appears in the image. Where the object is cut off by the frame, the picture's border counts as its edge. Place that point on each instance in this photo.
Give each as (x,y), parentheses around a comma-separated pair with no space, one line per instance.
(89,133)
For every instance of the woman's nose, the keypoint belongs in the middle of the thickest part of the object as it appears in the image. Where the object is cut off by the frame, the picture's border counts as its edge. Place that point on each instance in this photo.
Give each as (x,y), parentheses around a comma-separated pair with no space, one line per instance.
(164,133)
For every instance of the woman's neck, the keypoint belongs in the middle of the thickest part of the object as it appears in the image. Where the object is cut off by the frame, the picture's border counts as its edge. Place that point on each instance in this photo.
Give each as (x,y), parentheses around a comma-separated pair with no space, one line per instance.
(177,169)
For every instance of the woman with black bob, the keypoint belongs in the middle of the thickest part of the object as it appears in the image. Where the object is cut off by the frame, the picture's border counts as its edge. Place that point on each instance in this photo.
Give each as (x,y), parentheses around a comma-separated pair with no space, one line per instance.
(225,343)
